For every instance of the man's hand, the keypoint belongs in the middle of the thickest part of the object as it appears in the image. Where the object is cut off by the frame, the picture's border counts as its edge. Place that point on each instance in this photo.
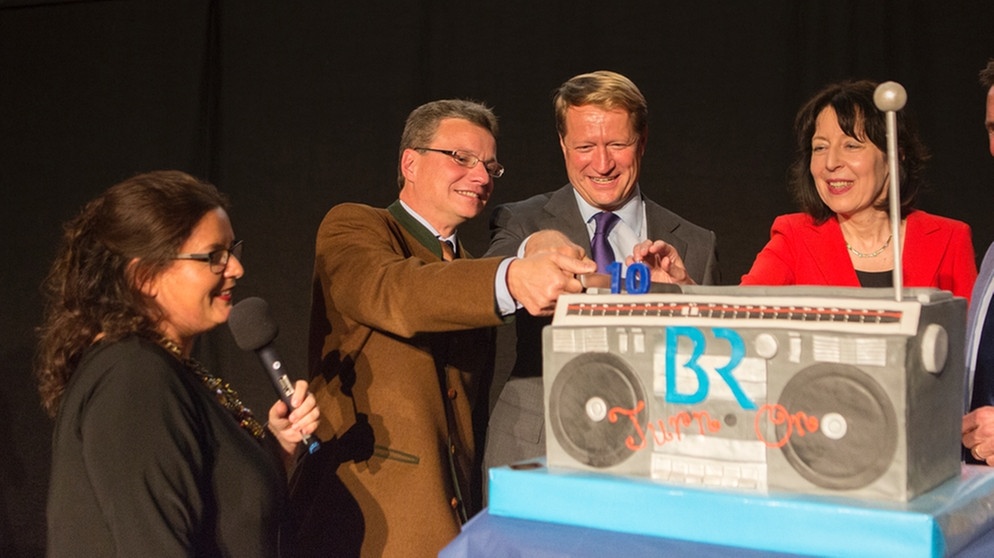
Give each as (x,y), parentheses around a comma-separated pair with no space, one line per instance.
(536,281)
(552,241)
(664,262)
(978,433)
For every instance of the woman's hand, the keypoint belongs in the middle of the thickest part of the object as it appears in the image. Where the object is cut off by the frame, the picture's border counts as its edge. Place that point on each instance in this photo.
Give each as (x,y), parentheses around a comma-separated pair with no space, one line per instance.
(289,428)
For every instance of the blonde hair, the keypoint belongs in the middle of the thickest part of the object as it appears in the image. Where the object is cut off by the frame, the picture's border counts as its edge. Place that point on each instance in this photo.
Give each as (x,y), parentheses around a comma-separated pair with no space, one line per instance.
(604,89)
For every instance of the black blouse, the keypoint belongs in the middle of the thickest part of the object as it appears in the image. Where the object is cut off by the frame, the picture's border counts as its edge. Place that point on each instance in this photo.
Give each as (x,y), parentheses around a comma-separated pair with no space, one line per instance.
(875,279)
(145,462)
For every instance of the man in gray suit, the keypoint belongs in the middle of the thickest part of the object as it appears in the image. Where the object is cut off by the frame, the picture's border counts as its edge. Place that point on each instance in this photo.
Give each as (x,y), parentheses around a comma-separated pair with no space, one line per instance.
(978,424)
(602,120)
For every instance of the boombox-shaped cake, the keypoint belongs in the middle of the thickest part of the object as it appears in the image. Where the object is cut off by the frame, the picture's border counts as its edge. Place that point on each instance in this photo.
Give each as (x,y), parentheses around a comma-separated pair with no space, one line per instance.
(815,390)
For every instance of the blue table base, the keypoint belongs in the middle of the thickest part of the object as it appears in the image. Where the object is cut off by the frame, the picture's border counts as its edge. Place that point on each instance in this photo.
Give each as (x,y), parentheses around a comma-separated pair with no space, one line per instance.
(540,512)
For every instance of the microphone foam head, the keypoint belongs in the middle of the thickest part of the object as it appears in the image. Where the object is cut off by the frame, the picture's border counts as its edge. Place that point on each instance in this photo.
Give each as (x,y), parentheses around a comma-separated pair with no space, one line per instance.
(251,324)
(890,96)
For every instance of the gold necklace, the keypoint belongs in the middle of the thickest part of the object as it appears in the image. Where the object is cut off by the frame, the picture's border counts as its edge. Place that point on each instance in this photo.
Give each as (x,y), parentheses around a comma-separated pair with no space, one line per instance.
(225,394)
(872,254)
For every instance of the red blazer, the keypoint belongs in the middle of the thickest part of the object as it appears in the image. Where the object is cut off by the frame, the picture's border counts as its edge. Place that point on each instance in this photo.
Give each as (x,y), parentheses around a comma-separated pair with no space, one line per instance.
(938,252)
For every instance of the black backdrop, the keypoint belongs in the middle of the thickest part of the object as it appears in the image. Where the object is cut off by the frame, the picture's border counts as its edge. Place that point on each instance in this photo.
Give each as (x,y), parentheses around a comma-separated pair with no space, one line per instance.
(292,106)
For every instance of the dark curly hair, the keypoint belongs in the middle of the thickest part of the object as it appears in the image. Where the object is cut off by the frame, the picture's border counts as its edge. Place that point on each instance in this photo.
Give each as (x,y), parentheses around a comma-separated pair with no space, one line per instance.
(119,240)
(859,118)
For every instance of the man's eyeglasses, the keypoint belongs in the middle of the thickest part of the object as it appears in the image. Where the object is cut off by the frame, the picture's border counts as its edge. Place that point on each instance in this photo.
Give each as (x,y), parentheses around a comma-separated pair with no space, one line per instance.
(218,259)
(468,160)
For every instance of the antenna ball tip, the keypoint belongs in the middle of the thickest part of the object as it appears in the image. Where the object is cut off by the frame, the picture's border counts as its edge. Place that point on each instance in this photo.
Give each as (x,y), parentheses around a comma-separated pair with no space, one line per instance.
(890,96)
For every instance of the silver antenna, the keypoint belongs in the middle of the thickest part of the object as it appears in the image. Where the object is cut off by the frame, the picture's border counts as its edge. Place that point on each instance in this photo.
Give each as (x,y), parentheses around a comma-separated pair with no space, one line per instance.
(890,97)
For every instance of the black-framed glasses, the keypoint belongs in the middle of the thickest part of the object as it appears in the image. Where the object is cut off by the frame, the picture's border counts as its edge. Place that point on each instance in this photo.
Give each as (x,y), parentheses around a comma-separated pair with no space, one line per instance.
(468,160)
(218,259)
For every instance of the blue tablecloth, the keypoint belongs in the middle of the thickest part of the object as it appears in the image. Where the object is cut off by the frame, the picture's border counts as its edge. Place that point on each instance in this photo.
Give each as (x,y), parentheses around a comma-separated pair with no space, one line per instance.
(493,536)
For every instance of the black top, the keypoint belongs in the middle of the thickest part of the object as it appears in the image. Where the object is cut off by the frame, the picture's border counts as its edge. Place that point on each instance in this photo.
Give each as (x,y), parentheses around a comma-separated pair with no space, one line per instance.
(875,279)
(145,462)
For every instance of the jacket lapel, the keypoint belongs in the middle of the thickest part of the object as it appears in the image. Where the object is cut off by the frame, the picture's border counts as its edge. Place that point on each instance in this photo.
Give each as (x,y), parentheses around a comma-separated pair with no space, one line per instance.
(660,226)
(416,229)
(924,247)
(562,214)
(826,250)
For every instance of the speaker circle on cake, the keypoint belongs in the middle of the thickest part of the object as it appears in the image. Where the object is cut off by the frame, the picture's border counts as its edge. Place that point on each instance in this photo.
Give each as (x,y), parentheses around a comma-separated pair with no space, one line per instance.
(857,439)
(584,390)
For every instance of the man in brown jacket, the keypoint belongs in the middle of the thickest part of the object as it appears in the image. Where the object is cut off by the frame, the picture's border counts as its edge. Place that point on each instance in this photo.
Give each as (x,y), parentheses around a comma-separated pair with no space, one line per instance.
(402,343)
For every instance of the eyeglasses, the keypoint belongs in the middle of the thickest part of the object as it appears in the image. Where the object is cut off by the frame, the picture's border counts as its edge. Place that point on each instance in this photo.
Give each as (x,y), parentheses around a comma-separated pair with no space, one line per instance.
(218,259)
(468,160)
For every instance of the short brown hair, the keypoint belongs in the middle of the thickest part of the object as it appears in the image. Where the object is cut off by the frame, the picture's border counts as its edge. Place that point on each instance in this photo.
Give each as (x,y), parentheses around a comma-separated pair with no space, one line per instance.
(423,122)
(987,76)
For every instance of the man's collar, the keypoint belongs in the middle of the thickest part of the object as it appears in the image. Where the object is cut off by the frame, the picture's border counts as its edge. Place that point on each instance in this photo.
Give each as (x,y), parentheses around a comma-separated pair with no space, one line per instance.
(427,225)
(630,212)
(418,227)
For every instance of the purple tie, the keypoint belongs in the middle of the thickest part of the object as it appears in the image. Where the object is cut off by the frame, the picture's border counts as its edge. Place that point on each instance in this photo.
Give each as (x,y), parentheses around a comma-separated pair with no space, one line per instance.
(600,248)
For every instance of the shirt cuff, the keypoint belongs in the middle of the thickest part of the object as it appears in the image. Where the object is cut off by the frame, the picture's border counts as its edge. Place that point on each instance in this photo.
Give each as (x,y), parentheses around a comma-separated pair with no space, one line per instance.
(506,305)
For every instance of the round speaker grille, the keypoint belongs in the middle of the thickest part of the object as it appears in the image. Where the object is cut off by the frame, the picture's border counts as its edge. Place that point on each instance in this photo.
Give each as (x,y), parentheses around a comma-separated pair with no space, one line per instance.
(858,436)
(589,382)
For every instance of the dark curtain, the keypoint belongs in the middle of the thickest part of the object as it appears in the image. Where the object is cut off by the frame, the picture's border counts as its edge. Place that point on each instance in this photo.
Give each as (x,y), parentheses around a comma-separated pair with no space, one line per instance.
(293,106)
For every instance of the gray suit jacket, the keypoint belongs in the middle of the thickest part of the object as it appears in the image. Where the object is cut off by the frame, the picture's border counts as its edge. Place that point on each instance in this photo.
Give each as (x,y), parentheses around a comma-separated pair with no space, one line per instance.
(979,388)
(510,224)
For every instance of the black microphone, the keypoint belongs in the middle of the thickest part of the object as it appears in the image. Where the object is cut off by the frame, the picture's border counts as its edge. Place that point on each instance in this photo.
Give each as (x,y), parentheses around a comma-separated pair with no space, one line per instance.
(254,330)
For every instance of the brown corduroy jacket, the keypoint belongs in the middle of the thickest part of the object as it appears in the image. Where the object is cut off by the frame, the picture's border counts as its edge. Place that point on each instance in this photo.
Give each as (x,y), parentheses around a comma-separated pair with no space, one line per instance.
(401,358)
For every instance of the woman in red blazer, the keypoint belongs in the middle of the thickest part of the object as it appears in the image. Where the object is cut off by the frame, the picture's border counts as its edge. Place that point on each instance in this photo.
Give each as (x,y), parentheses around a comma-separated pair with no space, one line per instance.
(842,237)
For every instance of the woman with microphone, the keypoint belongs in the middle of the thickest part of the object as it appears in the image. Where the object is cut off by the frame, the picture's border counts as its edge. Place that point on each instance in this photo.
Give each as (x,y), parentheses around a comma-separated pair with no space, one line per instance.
(153,454)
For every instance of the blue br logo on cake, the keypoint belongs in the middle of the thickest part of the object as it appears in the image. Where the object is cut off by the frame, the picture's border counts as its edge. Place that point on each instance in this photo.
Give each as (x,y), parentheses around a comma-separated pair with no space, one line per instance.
(798,389)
